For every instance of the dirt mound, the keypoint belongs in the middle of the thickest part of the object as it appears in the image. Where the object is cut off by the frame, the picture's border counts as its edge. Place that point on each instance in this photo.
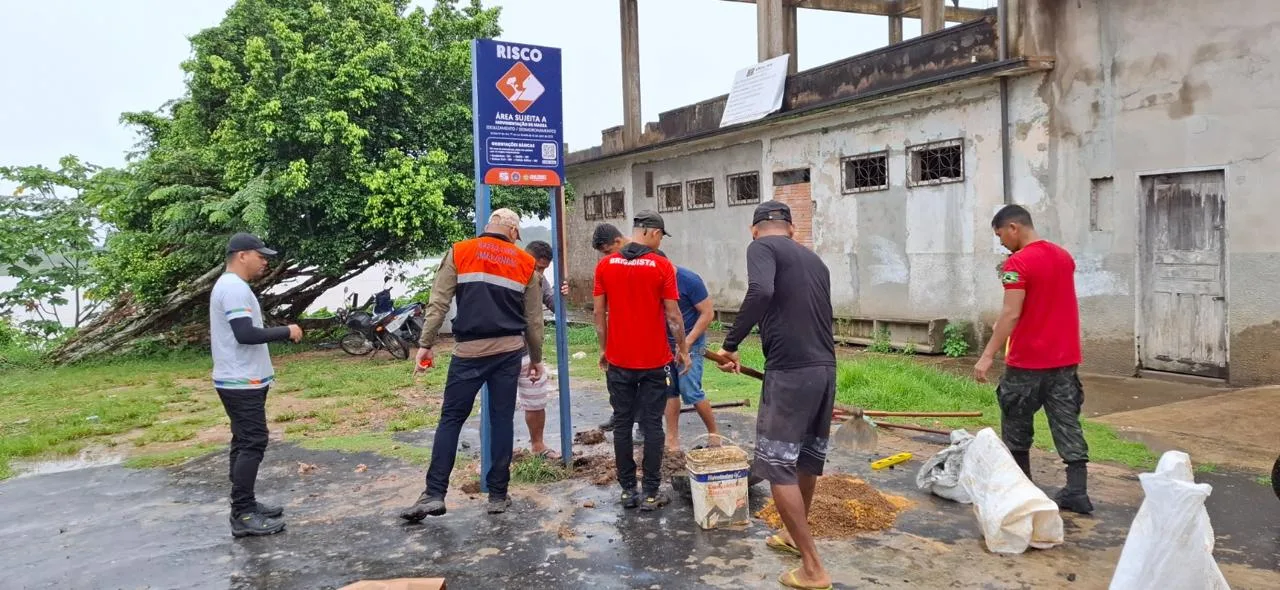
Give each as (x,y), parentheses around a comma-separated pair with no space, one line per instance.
(844,506)
(602,470)
(594,436)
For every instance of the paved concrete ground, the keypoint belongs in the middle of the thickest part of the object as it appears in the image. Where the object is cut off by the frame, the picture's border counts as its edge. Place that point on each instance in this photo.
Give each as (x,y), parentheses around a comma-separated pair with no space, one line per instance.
(111,527)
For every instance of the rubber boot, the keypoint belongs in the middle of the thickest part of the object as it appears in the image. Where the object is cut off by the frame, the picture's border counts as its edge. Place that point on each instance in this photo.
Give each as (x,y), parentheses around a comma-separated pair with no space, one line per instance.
(1075,497)
(1023,459)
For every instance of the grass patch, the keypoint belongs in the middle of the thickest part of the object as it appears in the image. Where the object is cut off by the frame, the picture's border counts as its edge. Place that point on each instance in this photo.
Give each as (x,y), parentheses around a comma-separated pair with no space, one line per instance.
(379,443)
(1264,480)
(166,433)
(414,420)
(536,469)
(169,458)
(898,384)
(1206,468)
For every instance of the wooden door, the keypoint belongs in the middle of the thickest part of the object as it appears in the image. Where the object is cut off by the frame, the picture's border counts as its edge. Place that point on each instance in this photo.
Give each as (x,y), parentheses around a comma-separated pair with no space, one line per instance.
(1184,305)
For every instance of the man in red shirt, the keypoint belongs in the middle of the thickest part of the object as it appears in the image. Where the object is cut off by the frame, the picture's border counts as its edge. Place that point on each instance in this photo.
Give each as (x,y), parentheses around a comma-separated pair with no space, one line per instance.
(635,290)
(1040,321)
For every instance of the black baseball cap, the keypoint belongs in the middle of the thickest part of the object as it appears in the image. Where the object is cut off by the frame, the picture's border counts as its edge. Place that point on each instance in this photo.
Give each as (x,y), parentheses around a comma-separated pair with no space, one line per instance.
(243,242)
(771,211)
(650,220)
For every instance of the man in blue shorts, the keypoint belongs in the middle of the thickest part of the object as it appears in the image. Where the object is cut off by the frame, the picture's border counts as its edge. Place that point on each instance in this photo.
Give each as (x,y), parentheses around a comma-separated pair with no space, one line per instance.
(698,311)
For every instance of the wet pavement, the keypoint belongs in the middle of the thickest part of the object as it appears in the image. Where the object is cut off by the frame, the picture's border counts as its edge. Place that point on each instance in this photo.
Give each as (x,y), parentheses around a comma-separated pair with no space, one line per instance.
(112,527)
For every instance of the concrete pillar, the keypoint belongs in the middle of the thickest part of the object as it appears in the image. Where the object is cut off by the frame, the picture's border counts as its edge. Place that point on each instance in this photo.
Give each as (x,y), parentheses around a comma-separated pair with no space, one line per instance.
(770,29)
(631,115)
(932,16)
(895,21)
(790,37)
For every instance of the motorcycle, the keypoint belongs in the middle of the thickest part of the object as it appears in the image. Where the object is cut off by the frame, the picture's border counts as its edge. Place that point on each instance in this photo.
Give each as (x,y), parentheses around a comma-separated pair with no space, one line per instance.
(406,321)
(368,332)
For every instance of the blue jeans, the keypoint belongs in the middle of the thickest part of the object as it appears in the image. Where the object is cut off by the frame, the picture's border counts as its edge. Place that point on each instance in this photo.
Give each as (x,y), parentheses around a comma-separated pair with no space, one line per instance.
(500,372)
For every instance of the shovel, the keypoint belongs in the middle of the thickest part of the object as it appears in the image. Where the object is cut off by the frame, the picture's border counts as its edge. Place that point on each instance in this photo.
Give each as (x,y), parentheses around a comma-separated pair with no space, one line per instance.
(857,434)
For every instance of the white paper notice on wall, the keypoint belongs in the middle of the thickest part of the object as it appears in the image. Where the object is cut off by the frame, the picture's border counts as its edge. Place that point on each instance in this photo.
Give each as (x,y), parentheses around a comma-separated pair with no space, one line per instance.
(757,91)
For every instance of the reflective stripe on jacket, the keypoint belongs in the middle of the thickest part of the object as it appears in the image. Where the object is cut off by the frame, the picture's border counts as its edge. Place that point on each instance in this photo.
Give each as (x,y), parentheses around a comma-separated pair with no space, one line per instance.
(492,276)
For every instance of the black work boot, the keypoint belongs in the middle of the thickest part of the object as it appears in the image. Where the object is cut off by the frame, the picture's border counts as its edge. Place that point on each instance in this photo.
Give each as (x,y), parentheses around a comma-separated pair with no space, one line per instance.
(654,500)
(424,507)
(630,498)
(1075,497)
(268,510)
(1023,459)
(253,524)
(498,504)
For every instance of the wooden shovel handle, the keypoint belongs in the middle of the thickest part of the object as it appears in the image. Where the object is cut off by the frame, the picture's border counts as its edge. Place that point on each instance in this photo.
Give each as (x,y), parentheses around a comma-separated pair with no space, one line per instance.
(915,428)
(843,409)
(720,359)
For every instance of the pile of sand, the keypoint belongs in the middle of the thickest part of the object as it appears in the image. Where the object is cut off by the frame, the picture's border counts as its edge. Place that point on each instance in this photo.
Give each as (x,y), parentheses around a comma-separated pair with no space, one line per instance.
(844,506)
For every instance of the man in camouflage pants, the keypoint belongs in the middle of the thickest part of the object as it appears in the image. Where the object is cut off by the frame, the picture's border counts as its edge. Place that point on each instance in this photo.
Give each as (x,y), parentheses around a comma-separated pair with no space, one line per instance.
(1040,322)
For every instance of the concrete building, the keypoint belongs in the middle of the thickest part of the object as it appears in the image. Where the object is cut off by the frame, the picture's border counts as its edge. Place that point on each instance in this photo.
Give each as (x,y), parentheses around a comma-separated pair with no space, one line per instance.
(1141,134)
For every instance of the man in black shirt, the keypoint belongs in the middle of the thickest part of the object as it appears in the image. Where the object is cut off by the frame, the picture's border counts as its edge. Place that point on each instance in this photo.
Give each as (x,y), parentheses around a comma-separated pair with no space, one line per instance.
(789,296)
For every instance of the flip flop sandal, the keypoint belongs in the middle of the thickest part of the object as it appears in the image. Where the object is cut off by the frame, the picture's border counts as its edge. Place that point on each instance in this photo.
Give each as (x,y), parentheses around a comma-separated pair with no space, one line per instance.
(789,580)
(777,543)
(549,455)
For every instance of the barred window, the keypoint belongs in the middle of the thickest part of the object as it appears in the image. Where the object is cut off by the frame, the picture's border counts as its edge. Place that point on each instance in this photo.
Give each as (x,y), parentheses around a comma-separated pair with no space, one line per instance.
(615,205)
(865,172)
(593,207)
(702,193)
(939,162)
(670,198)
(744,189)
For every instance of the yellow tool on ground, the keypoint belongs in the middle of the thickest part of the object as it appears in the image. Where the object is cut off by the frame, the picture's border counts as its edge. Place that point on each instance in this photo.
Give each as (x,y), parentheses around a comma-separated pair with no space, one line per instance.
(891,460)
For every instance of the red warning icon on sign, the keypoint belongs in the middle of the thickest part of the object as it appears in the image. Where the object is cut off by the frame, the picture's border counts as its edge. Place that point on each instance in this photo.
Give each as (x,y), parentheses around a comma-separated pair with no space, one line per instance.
(521,87)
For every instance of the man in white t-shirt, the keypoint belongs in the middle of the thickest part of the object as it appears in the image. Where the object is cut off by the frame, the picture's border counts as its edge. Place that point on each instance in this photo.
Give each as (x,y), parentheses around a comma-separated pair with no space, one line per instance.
(242,373)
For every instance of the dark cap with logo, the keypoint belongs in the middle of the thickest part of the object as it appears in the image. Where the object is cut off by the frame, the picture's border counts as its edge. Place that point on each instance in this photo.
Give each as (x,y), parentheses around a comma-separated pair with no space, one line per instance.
(243,242)
(771,211)
(650,220)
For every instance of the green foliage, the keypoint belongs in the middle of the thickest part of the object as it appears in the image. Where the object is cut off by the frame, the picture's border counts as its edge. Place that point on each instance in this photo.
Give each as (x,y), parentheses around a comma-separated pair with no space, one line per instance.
(715,326)
(320,314)
(955,339)
(536,469)
(17,348)
(47,243)
(880,341)
(338,130)
(909,349)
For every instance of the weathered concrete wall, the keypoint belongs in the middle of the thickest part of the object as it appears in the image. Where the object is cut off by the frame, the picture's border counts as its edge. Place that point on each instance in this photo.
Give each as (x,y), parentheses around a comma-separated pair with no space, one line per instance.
(713,241)
(581,260)
(1138,88)
(905,252)
(1147,86)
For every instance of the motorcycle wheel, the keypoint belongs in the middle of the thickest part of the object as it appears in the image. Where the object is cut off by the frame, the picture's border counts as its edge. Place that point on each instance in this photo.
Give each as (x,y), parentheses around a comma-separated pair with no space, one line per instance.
(395,345)
(355,344)
(1275,477)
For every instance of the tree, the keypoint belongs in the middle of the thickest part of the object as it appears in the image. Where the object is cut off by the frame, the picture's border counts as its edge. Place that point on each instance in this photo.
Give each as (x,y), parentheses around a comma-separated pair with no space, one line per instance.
(337,130)
(47,243)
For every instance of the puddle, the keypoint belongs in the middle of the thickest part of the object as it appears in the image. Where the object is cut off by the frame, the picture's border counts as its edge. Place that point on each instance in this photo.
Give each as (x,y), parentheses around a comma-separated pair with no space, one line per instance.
(90,457)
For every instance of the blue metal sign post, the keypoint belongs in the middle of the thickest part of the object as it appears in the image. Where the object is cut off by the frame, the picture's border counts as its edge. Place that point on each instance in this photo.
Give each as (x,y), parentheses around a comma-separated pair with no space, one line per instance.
(518,134)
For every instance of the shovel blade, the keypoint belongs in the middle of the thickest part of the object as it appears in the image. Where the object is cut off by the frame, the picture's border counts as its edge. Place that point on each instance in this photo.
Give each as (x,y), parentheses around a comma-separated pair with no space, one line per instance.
(857,435)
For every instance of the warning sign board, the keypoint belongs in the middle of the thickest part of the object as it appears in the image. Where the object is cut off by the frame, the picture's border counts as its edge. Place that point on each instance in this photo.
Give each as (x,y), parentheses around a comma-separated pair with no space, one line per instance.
(518,110)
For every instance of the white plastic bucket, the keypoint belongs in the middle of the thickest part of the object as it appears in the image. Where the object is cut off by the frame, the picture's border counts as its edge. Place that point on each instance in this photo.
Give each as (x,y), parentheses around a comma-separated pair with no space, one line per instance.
(720,494)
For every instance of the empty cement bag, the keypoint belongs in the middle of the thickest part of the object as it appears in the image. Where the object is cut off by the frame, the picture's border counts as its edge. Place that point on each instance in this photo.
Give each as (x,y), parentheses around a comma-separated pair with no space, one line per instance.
(1170,543)
(940,475)
(1013,513)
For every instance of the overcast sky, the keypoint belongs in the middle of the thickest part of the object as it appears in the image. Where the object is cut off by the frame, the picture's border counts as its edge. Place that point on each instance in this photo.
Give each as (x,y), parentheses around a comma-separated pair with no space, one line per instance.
(72,66)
